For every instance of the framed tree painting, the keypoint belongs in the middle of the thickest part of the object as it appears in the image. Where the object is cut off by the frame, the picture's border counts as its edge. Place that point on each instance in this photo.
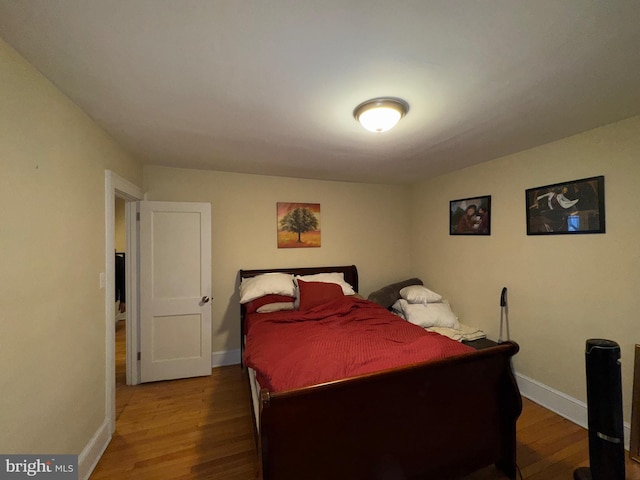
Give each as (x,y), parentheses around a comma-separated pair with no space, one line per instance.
(572,207)
(470,216)
(298,225)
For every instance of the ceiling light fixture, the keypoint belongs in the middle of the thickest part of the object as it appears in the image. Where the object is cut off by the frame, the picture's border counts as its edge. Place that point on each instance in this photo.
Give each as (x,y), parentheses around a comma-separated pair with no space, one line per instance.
(380,114)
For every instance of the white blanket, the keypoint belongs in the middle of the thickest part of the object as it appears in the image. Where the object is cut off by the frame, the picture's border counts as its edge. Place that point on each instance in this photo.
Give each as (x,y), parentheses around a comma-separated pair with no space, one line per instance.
(465,332)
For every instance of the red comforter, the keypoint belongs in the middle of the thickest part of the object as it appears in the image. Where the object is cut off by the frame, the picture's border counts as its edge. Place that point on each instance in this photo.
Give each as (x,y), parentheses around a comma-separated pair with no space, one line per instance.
(341,339)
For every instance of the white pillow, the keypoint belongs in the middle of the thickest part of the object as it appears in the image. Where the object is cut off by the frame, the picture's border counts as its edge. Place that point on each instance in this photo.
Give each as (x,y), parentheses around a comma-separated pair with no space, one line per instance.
(397,308)
(266,284)
(335,277)
(428,315)
(275,307)
(420,294)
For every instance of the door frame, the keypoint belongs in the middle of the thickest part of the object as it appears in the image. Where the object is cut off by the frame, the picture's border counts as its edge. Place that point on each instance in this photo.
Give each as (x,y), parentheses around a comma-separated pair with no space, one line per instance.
(117,186)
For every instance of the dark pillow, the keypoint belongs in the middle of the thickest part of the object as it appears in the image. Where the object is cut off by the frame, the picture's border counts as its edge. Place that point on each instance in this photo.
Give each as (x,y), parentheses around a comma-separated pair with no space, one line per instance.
(313,294)
(388,295)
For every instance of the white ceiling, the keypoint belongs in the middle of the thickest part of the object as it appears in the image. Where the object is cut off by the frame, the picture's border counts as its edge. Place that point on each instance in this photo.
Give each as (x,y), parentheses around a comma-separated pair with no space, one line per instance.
(269,87)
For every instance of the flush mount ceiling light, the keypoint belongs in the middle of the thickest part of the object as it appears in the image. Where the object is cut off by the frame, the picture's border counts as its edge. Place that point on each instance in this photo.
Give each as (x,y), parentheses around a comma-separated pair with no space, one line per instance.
(380,114)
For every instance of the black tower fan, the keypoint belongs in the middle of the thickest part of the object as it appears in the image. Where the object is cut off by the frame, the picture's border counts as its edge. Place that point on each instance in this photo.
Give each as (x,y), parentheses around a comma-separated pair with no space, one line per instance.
(604,404)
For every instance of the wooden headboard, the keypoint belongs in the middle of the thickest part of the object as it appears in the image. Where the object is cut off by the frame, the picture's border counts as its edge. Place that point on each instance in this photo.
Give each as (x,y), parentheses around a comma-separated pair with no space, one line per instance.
(350,272)
(350,275)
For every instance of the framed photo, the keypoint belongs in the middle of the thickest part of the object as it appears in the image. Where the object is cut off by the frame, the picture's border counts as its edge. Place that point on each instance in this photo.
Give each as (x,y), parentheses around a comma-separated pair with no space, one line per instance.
(470,216)
(298,225)
(570,207)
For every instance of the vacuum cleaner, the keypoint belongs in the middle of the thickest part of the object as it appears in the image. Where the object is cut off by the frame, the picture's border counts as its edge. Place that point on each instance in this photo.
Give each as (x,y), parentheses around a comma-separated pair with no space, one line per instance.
(504,314)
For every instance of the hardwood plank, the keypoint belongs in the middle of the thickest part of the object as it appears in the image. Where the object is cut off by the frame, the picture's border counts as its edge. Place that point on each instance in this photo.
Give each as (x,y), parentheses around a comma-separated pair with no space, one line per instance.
(201,428)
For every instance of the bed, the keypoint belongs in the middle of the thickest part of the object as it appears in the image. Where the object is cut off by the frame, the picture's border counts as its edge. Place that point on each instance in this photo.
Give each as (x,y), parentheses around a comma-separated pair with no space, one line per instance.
(436,419)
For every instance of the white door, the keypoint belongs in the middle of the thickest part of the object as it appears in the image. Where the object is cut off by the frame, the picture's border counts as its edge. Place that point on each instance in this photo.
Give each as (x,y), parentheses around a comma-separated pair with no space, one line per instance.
(175,290)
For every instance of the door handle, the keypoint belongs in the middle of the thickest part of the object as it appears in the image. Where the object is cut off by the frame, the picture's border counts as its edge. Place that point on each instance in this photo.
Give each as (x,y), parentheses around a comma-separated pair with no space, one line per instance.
(204,300)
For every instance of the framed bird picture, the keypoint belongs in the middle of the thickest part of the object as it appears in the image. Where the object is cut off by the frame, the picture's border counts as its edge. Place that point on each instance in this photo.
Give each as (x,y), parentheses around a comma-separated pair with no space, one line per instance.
(572,207)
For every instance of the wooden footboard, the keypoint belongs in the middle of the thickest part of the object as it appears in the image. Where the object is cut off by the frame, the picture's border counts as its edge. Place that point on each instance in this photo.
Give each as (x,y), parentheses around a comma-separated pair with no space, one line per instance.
(437,420)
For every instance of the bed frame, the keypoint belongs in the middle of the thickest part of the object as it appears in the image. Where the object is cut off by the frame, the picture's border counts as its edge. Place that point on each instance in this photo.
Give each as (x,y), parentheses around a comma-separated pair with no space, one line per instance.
(435,420)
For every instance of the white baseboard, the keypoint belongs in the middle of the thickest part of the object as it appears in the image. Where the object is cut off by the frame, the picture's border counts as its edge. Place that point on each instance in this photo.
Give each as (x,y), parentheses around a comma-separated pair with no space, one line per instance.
(568,407)
(225,357)
(92,452)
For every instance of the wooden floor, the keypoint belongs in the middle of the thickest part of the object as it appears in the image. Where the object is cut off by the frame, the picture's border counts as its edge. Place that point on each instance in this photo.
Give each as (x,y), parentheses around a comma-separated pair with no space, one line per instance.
(201,428)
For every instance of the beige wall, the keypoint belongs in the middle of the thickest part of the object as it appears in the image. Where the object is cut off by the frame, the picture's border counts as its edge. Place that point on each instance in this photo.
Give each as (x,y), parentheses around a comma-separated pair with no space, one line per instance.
(562,289)
(52,345)
(362,224)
